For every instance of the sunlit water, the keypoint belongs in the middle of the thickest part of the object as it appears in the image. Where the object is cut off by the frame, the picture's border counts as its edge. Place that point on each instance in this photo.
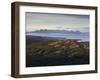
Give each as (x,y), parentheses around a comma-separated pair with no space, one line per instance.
(82,36)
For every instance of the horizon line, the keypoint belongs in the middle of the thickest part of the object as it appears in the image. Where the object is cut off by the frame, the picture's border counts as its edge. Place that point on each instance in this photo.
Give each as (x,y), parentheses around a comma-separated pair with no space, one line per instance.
(58,30)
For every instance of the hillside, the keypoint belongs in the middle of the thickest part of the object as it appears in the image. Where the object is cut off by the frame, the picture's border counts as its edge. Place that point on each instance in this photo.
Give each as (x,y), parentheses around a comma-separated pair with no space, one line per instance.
(52,51)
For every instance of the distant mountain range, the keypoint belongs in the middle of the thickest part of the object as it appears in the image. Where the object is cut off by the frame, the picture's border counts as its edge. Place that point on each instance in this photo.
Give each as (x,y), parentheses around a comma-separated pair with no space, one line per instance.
(56,31)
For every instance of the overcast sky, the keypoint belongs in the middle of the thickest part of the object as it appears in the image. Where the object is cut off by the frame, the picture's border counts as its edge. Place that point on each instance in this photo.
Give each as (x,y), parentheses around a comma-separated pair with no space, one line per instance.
(37,21)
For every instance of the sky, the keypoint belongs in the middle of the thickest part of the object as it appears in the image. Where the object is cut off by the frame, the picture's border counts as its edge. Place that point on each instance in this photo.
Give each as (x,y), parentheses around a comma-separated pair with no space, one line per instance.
(52,21)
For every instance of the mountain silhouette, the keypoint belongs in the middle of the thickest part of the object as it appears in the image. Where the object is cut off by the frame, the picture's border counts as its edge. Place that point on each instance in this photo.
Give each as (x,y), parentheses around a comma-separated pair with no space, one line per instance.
(55,31)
